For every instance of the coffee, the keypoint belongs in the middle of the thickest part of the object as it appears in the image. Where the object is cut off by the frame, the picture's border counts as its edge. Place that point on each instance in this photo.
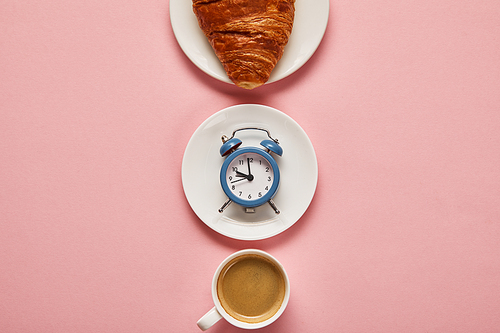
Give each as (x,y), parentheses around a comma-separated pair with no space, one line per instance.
(251,288)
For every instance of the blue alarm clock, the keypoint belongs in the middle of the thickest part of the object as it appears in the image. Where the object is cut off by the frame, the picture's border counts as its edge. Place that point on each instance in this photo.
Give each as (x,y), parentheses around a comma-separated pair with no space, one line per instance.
(250,176)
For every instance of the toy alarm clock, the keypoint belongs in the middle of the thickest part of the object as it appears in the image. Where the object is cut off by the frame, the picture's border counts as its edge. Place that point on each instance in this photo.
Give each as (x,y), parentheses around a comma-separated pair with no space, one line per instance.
(250,176)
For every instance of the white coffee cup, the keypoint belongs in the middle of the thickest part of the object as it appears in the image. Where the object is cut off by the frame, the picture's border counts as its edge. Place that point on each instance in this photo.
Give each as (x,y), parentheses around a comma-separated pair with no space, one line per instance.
(247,300)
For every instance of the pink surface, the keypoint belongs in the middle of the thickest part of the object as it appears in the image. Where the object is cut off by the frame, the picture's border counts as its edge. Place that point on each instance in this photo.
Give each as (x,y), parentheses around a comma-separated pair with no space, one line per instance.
(401,101)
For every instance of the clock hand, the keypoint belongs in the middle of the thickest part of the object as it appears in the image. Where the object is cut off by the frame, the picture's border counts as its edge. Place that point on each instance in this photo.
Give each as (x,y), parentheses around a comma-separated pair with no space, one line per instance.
(239,180)
(248,162)
(240,174)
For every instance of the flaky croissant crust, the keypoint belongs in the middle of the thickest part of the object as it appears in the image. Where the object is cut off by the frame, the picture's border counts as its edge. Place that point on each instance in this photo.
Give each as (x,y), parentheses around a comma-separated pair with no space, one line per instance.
(248,36)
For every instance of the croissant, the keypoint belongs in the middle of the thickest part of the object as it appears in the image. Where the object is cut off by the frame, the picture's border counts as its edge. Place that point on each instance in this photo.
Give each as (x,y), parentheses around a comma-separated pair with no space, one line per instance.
(248,36)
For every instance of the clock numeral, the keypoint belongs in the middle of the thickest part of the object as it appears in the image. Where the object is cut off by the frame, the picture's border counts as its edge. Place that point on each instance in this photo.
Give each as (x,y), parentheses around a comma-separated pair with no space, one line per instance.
(269,178)
(251,159)
(230,178)
(240,162)
(240,193)
(267,169)
(233,187)
(260,194)
(267,188)
(249,196)
(235,169)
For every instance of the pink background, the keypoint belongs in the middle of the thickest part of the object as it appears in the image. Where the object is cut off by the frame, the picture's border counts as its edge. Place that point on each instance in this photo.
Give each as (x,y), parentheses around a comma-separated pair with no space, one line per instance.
(401,102)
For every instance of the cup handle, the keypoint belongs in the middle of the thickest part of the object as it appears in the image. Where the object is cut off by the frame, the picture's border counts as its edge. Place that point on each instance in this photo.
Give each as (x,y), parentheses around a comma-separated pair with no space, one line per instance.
(210,318)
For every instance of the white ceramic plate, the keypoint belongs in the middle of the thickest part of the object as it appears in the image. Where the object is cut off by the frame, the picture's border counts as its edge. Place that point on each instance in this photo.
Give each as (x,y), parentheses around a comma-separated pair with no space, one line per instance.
(202,162)
(311,18)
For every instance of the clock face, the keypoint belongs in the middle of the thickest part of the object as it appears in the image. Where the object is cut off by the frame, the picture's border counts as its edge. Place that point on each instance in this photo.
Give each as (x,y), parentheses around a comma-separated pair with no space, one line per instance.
(250,178)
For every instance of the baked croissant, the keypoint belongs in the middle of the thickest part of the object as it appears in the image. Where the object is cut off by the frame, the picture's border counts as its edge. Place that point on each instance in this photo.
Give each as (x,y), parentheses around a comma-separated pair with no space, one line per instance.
(248,36)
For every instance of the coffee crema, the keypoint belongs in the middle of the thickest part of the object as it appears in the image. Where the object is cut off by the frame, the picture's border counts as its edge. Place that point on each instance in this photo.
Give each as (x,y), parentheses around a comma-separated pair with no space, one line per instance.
(251,288)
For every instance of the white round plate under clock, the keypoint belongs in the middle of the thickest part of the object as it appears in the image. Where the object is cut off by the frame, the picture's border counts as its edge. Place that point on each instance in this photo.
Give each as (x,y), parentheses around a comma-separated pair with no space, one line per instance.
(202,163)
(311,18)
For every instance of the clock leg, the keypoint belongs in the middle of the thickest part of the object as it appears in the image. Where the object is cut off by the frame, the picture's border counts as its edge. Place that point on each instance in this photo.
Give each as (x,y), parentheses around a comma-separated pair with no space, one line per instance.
(273,205)
(224,206)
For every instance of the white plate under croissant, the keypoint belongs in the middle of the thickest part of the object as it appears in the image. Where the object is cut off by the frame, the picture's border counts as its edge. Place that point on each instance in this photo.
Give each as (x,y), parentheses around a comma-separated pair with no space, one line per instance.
(311,18)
